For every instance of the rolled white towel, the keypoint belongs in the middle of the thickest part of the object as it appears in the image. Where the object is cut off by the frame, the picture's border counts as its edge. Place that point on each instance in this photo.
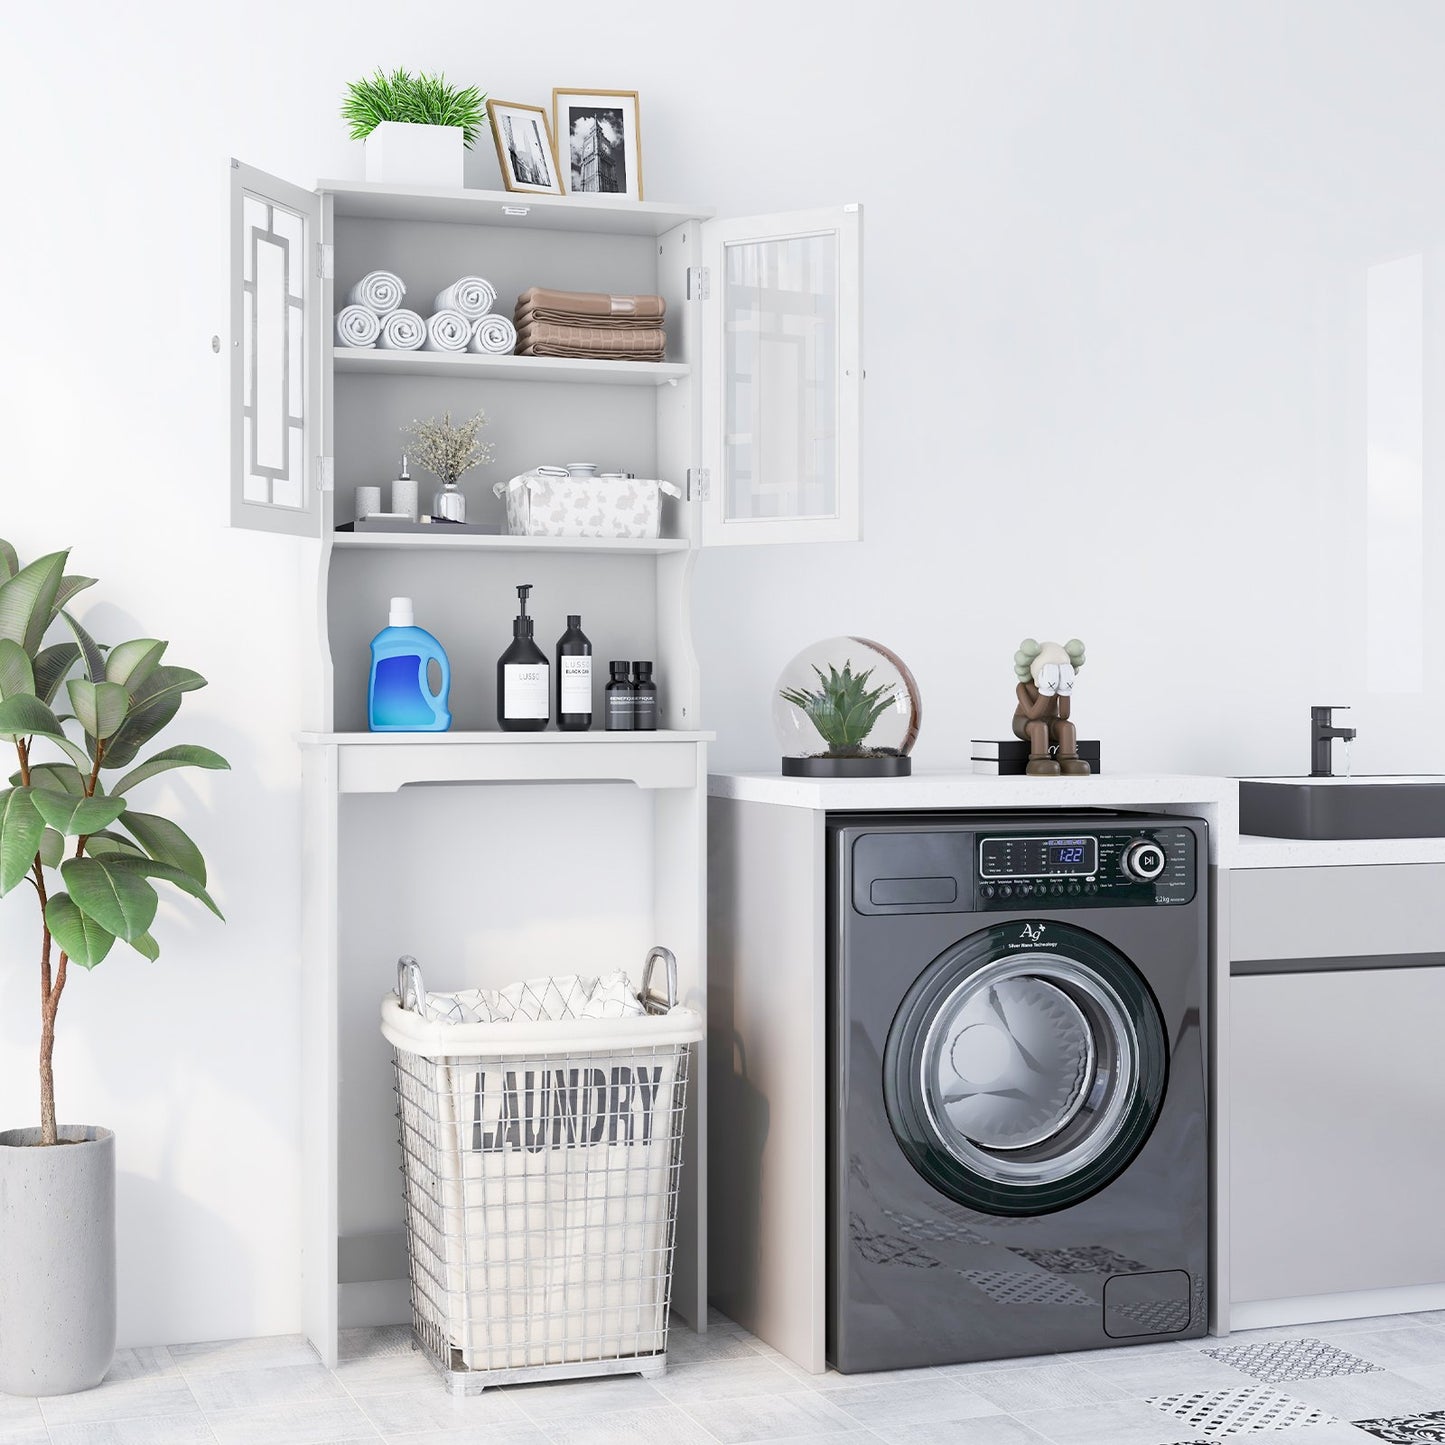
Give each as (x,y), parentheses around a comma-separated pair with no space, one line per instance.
(383,291)
(473,296)
(493,336)
(447,331)
(402,331)
(357,326)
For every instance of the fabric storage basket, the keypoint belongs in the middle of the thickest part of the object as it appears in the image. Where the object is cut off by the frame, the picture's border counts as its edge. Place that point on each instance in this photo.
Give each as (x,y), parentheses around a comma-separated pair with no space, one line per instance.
(548,502)
(541,1154)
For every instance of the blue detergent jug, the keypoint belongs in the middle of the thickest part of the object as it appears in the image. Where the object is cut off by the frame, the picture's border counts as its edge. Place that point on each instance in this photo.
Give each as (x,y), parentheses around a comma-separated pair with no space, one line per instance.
(399,697)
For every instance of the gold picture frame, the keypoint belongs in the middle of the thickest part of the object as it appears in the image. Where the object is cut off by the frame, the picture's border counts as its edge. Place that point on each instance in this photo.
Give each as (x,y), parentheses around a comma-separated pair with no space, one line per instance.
(599,132)
(527,153)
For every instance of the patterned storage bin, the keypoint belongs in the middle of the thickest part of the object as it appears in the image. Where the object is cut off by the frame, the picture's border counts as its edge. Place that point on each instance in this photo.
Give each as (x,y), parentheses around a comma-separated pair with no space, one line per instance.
(549,502)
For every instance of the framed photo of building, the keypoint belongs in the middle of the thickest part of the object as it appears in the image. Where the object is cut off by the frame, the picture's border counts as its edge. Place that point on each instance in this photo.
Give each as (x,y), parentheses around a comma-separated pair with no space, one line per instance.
(599,141)
(524,147)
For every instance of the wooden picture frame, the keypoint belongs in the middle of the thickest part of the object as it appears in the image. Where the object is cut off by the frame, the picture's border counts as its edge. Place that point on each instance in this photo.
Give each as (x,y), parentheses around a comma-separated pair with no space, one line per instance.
(599,141)
(526,150)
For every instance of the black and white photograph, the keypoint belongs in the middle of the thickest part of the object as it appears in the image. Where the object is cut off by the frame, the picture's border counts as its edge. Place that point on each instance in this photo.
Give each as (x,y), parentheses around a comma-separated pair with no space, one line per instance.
(598,138)
(524,147)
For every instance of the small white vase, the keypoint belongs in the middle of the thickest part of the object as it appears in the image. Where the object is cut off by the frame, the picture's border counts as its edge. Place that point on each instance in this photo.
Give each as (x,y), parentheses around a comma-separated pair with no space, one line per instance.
(399,154)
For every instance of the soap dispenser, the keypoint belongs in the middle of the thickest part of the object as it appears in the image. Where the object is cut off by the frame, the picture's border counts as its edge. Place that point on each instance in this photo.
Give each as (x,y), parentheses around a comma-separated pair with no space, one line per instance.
(399,697)
(524,680)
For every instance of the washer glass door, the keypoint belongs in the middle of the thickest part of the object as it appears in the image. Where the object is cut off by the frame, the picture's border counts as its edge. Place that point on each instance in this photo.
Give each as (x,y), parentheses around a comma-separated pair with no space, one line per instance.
(1020,1075)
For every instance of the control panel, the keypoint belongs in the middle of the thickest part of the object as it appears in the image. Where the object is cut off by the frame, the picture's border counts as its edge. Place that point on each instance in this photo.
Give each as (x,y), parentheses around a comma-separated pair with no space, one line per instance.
(1113,868)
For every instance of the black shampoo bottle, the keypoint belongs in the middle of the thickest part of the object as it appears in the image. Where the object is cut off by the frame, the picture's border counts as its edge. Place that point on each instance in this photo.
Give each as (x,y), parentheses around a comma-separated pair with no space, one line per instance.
(574,678)
(524,682)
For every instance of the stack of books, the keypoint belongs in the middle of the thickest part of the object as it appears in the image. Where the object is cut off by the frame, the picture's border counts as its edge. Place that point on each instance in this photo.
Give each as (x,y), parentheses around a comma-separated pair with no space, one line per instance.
(1009,757)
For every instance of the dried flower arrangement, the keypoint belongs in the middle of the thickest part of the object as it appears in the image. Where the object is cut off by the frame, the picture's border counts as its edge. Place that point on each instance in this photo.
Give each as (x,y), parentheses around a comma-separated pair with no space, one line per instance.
(448,451)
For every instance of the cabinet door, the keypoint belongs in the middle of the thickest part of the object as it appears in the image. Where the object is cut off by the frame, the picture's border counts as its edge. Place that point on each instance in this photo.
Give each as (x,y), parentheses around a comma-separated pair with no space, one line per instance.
(276,359)
(782,377)
(1337,1111)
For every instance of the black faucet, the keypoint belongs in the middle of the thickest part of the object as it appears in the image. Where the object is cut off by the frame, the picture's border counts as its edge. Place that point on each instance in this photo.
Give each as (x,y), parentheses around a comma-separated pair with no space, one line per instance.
(1322,733)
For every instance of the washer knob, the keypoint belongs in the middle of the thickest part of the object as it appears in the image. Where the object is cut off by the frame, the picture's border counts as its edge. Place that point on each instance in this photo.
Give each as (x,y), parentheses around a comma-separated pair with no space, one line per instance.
(1143,861)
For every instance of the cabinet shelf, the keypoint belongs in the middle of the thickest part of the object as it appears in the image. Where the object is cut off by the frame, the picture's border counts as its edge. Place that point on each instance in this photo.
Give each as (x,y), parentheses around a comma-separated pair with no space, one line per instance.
(362,361)
(597,214)
(386,762)
(445,540)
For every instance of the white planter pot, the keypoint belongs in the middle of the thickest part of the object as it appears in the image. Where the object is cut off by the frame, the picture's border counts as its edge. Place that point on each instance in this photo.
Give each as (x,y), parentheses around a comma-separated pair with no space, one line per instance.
(398,154)
(57,1287)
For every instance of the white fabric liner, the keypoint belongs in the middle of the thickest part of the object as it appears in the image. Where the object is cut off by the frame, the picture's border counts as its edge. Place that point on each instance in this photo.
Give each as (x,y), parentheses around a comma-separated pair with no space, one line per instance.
(555,1142)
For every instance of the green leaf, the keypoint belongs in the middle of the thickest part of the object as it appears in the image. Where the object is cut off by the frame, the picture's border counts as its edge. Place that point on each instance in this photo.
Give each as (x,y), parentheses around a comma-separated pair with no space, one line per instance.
(21,827)
(51,666)
(106,844)
(183,755)
(155,700)
(116,898)
(9,561)
(165,841)
(145,944)
(69,586)
(150,868)
(21,716)
(74,752)
(76,816)
(130,662)
(100,707)
(82,938)
(17,676)
(65,776)
(27,601)
(90,649)
(52,848)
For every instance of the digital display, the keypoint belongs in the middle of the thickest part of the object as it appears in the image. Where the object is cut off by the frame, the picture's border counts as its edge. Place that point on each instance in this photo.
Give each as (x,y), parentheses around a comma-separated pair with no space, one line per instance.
(1025,857)
(1061,855)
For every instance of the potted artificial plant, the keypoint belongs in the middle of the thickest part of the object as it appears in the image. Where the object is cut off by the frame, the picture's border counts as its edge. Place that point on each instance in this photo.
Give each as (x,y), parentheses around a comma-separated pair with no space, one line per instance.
(414,126)
(90,860)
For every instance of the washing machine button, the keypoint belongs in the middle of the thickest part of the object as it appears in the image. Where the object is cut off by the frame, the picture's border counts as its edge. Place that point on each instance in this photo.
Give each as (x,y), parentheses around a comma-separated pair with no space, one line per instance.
(1005,890)
(1091,886)
(1074,890)
(1024,889)
(989,891)
(1057,889)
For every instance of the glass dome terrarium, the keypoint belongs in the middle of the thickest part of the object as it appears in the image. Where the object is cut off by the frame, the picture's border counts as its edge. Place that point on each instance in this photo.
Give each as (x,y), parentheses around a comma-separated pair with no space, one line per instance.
(846,707)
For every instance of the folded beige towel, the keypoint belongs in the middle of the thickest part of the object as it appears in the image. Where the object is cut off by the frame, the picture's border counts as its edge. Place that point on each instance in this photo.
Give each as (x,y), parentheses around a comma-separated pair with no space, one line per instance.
(593,307)
(545,338)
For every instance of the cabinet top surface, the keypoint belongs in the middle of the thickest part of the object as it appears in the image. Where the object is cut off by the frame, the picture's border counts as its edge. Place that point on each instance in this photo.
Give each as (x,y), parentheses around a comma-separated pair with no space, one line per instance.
(598,214)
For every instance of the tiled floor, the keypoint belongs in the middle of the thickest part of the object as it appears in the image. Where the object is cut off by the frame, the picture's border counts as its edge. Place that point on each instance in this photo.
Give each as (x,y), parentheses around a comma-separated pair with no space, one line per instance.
(1361,1380)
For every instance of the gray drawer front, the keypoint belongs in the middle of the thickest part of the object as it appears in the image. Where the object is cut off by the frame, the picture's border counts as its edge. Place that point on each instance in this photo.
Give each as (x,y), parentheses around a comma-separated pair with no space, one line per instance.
(1321,913)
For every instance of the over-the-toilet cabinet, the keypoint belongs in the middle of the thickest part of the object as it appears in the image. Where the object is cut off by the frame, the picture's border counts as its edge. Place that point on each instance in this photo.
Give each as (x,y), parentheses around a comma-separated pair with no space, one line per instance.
(758,402)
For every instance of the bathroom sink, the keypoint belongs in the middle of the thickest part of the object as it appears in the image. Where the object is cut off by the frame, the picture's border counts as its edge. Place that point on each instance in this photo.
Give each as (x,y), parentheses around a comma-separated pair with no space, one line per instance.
(1325,808)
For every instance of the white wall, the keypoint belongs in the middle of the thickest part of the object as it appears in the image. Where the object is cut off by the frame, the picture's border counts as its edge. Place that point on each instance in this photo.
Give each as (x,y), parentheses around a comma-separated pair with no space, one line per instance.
(1115,277)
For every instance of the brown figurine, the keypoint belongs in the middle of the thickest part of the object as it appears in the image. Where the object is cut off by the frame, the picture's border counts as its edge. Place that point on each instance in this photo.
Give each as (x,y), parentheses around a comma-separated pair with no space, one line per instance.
(1046,674)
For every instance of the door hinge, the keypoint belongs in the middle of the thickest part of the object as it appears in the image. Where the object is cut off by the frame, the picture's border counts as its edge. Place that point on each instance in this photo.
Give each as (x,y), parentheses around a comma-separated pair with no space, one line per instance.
(699,283)
(325,260)
(326,469)
(699,484)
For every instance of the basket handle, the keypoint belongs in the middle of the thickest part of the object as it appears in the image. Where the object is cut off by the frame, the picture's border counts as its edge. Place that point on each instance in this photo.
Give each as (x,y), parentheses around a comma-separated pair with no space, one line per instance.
(649,1001)
(410,991)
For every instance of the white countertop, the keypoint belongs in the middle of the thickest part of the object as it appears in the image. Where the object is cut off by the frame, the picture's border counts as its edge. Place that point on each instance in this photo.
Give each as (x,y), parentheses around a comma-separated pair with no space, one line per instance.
(1250,851)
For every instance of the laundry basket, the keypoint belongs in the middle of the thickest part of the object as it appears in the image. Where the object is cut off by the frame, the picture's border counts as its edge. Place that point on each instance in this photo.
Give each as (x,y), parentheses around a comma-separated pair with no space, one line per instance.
(541,1155)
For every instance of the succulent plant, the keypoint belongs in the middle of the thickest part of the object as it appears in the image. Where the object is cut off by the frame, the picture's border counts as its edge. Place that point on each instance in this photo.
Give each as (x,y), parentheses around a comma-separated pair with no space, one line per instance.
(843,708)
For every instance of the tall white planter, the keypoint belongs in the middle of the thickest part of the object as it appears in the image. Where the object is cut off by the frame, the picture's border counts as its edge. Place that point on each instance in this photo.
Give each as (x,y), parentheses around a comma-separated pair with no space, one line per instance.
(398,154)
(57,1284)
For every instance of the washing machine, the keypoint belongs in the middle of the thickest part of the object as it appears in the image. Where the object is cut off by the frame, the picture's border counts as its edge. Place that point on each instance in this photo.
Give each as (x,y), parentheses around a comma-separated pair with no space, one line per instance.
(1018,1109)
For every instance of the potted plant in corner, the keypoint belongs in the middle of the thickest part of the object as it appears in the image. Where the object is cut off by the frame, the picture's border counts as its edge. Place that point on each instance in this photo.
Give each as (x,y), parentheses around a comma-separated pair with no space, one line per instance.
(414,126)
(68,831)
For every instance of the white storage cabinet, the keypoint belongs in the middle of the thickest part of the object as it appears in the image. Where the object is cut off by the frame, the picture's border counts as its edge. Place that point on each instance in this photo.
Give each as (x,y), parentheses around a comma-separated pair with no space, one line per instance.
(755,413)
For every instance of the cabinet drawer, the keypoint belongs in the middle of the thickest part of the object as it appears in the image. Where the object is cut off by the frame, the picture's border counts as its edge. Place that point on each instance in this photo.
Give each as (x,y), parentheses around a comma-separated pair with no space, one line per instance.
(1335,912)
(1337,1112)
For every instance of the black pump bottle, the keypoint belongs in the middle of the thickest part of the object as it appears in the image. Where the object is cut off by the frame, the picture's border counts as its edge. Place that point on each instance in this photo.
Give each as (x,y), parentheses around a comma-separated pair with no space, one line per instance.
(524,680)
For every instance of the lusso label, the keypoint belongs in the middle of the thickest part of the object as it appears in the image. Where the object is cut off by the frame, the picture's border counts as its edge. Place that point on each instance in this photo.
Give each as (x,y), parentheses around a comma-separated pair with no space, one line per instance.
(525,689)
(536,1109)
(576,684)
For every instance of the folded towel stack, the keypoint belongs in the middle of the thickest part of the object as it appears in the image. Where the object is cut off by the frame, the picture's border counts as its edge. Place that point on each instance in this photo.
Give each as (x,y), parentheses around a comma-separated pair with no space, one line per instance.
(461,320)
(590,324)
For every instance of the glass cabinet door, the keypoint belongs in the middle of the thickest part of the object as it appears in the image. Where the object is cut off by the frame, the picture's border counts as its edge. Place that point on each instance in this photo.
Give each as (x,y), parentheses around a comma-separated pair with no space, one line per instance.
(276,363)
(782,378)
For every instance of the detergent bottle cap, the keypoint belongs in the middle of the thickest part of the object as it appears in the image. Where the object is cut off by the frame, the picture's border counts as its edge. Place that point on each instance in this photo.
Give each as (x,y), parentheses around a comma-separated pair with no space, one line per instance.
(402,613)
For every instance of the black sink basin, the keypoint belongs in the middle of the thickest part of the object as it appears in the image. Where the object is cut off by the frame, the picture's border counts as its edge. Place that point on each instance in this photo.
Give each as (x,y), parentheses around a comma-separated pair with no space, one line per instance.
(1325,808)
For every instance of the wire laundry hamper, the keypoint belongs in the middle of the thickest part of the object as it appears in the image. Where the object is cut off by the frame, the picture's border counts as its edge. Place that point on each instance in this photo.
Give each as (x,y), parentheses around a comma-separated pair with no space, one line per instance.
(541,1160)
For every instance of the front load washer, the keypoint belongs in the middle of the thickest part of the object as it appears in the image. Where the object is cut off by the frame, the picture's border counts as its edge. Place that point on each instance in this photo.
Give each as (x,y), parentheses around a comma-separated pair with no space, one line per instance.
(1018,1115)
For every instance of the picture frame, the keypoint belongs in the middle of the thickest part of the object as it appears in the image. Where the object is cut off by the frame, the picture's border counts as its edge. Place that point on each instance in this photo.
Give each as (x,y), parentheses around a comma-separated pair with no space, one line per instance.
(526,150)
(599,141)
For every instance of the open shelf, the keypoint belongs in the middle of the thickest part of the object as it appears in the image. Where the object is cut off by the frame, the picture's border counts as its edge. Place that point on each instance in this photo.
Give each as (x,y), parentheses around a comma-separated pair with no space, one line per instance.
(443,539)
(385,762)
(363,360)
(602,214)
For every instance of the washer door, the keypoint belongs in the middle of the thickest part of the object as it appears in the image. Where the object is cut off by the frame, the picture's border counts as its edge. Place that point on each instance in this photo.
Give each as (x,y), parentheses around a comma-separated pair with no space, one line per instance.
(1021,1078)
